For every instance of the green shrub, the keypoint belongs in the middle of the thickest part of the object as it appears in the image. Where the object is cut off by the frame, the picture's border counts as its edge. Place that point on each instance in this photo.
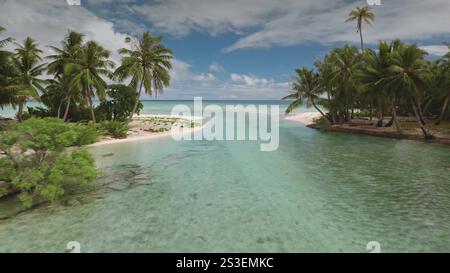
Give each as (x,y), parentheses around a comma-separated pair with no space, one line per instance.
(88,133)
(119,105)
(323,123)
(37,163)
(116,129)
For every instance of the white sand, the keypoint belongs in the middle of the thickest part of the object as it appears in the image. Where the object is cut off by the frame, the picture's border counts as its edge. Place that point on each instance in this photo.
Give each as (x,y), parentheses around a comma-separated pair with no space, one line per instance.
(306,118)
(145,116)
(136,133)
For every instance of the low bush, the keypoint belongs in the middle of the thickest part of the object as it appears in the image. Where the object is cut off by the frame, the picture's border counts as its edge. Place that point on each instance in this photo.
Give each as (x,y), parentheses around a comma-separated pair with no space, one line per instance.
(37,163)
(116,129)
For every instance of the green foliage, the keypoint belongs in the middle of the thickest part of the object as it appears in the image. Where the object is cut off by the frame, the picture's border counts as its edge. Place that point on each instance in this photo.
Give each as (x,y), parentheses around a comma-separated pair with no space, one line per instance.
(322,123)
(88,134)
(47,134)
(116,129)
(7,171)
(120,103)
(36,160)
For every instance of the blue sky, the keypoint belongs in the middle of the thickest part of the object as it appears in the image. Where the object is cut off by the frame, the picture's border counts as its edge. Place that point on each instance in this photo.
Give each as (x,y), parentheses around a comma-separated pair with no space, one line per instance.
(234,49)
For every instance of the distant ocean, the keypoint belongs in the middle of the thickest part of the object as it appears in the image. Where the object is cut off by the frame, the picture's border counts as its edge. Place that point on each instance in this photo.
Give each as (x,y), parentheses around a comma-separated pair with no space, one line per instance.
(164,107)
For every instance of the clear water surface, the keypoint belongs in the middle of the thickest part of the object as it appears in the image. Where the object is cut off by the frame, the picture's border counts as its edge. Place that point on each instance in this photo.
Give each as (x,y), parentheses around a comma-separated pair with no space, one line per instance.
(319,192)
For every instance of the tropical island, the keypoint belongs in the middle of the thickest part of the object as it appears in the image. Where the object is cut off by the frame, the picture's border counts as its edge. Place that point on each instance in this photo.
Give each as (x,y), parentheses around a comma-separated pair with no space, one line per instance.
(41,152)
(320,191)
(391,91)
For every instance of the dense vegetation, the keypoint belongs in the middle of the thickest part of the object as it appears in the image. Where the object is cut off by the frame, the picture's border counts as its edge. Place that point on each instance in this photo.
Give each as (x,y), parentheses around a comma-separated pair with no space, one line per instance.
(35,159)
(391,80)
(37,163)
(68,81)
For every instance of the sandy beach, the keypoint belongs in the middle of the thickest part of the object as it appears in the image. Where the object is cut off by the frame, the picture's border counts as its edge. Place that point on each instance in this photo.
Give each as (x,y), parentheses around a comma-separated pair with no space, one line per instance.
(307,118)
(140,131)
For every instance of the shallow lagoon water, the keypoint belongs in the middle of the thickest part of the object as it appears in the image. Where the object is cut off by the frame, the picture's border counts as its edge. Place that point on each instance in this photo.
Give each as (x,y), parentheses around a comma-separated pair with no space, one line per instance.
(319,192)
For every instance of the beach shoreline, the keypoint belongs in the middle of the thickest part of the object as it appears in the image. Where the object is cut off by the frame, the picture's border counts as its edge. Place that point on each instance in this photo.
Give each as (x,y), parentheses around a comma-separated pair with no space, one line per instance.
(306,118)
(138,132)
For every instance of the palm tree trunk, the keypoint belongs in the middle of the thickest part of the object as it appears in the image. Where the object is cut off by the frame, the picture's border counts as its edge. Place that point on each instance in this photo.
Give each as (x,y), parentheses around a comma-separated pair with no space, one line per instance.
(320,111)
(66,112)
(91,106)
(59,109)
(421,125)
(444,109)
(361,36)
(20,110)
(394,117)
(419,111)
(370,112)
(137,99)
(92,110)
(380,116)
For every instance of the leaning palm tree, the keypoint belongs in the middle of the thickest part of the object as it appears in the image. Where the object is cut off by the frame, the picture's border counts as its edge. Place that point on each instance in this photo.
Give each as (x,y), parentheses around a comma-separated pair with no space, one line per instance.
(307,88)
(147,64)
(28,64)
(90,67)
(360,15)
(406,77)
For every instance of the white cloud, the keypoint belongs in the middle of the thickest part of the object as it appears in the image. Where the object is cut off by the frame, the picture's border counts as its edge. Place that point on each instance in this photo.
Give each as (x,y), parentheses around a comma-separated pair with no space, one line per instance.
(249,83)
(250,80)
(204,78)
(48,21)
(267,23)
(215,67)
(180,17)
(412,19)
(436,50)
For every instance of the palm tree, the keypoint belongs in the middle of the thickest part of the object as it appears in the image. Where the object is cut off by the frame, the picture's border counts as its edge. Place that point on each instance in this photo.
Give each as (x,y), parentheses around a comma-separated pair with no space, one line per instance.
(70,52)
(147,64)
(90,67)
(405,76)
(306,87)
(62,90)
(372,72)
(62,86)
(360,15)
(324,71)
(441,83)
(6,71)
(344,62)
(28,63)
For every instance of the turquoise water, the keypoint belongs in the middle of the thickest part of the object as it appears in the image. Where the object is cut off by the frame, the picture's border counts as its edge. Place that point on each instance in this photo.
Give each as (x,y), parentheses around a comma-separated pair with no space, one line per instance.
(319,192)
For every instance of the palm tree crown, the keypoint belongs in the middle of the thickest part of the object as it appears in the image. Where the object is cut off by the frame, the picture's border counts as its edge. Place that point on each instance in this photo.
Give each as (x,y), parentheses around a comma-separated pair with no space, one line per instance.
(147,65)
(307,88)
(70,52)
(90,67)
(28,64)
(360,15)
(6,71)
